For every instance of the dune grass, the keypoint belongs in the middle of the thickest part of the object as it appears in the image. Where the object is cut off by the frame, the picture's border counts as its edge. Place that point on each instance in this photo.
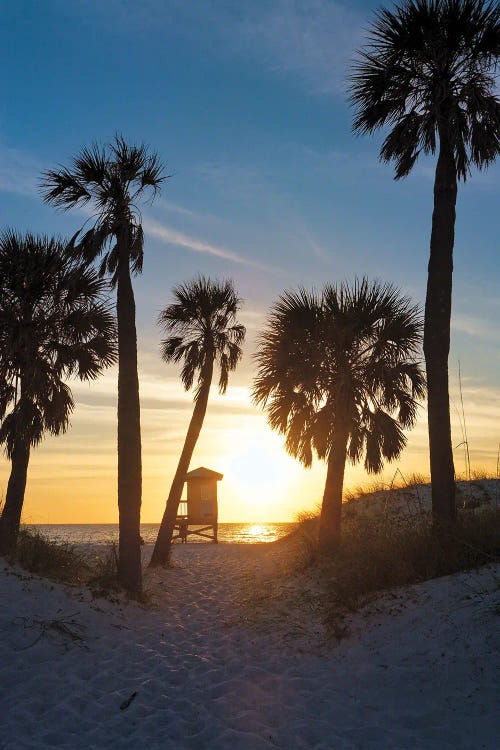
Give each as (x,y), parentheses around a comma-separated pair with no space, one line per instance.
(49,558)
(36,553)
(62,562)
(399,481)
(103,580)
(382,550)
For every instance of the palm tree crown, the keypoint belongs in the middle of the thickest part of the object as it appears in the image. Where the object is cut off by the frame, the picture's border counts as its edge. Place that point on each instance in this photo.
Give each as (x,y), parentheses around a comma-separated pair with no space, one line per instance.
(54,324)
(347,357)
(113,178)
(338,375)
(428,71)
(203,330)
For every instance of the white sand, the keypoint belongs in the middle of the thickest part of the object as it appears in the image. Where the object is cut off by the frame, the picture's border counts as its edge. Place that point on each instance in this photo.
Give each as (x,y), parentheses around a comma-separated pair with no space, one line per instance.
(225,659)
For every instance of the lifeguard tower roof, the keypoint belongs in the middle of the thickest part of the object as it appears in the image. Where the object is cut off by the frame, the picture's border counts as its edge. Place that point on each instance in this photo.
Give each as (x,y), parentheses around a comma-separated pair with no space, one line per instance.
(203,473)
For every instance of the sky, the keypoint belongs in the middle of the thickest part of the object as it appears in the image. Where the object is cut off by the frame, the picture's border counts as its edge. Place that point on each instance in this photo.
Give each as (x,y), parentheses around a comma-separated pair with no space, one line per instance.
(246,104)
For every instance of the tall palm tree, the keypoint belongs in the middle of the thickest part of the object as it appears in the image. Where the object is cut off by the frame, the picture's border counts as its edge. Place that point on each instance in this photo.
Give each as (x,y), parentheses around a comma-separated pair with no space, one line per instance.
(338,375)
(428,74)
(54,324)
(203,332)
(112,179)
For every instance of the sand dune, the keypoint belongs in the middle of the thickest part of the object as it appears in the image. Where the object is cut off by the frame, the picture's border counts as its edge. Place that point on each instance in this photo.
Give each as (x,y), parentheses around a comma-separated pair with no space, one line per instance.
(232,654)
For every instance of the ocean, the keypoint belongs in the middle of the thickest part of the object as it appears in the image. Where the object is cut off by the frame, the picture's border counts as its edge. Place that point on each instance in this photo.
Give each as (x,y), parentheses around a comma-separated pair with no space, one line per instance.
(105,533)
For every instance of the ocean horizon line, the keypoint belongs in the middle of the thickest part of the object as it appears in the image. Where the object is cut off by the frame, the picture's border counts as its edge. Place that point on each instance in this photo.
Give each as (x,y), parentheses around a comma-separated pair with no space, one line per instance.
(244,532)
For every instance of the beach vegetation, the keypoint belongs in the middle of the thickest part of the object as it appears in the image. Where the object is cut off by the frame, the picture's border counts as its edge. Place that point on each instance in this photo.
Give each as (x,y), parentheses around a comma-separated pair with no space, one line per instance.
(55,323)
(112,179)
(338,375)
(398,546)
(62,562)
(427,75)
(49,558)
(103,579)
(202,332)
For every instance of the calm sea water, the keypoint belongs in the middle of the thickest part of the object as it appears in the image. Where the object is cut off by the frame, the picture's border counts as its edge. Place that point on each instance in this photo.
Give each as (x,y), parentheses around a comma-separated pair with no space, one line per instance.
(242,533)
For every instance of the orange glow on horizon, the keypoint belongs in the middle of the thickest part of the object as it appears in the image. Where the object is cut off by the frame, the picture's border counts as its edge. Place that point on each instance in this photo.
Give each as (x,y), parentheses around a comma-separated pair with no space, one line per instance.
(72,478)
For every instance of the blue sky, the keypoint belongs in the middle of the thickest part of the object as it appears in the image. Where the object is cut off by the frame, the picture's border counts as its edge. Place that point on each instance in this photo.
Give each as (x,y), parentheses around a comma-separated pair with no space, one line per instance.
(246,104)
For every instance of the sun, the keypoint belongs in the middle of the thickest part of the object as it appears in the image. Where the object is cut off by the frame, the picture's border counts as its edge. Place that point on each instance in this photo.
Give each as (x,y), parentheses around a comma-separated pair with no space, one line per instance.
(261,476)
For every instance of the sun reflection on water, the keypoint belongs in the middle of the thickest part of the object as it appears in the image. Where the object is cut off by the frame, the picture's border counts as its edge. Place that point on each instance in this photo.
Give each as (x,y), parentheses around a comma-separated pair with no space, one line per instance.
(261,533)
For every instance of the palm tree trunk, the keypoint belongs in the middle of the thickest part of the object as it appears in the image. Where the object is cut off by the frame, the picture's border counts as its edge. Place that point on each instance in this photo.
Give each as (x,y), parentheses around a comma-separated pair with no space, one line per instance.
(129,431)
(437,335)
(331,509)
(161,551)
(11,515)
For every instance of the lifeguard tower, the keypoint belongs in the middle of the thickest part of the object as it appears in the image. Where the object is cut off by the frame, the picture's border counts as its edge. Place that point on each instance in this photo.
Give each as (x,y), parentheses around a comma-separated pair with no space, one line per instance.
(200,508)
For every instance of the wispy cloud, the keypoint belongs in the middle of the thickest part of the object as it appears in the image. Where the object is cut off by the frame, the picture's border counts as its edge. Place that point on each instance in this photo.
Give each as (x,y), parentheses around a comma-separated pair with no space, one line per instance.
(188,213)
(234,177)
(475,326)
(19,172)
(314,246)
(172,236)
(312,40)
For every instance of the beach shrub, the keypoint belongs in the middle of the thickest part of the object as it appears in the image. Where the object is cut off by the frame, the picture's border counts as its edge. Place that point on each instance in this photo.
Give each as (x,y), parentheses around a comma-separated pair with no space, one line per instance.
(104,577)
(49,558)
(306,533)
(383,551)
(95,567)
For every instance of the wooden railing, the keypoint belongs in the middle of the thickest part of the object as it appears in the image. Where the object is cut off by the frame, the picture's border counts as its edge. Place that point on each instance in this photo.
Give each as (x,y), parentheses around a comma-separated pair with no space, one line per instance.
(182,510)
(182,530)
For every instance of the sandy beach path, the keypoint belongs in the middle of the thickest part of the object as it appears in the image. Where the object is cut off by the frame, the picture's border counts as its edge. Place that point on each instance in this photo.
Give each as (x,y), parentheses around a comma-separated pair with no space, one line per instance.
(222,659)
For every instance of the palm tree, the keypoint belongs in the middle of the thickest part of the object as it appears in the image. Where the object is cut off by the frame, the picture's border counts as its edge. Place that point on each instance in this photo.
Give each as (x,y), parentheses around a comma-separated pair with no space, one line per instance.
(54,323)
(203,332)
(428,74)
(113,179)
(338,375)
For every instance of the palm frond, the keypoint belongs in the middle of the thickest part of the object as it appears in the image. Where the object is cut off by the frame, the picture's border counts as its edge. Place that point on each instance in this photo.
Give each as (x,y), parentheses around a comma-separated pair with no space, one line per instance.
(428,70)
(202,327)
(348,356)
(111,178)
(137,250)
(92,242)
(91,166)
(64,189)
(56,323)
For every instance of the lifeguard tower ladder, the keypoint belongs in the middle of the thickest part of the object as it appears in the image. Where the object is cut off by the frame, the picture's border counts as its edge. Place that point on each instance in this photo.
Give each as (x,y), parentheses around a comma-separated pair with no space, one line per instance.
(200,509)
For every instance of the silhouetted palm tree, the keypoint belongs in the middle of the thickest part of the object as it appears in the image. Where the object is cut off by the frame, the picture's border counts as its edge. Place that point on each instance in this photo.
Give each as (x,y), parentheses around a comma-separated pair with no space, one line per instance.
(427,73)
(337,374)
(113,179)
(54,324)
(203,332)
